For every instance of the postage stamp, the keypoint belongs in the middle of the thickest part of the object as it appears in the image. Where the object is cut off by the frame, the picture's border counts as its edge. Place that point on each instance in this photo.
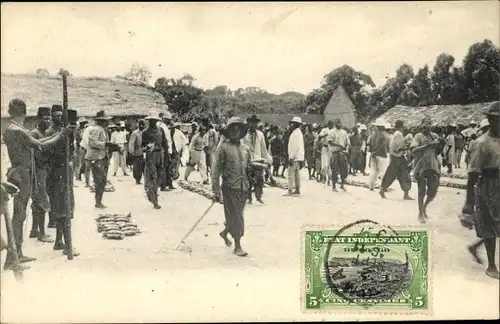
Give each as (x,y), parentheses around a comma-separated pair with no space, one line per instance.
(366,266)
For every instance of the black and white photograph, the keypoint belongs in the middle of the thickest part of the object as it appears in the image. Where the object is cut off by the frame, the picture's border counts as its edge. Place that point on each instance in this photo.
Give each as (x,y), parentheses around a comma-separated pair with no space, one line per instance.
(249,161)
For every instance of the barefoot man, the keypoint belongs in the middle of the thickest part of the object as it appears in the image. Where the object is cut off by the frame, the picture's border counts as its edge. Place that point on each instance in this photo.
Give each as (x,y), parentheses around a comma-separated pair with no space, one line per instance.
(484,170)
(232,161)
(426,168)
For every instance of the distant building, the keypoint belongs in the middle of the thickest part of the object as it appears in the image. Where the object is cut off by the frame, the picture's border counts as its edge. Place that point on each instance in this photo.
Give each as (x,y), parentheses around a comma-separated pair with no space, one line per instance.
(340,106)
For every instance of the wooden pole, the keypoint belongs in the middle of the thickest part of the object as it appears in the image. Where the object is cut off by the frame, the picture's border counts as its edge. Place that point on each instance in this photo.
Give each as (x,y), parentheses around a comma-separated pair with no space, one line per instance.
(68,237)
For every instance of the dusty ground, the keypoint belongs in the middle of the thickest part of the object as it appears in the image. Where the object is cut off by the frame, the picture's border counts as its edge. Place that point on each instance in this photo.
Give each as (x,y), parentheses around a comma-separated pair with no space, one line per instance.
(143,278)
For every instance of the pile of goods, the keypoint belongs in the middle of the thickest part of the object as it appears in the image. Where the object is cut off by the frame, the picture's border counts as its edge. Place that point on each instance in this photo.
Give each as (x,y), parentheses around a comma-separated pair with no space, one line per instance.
(199,188)
(354,183)
(116,226)
(109,187)
(454,176)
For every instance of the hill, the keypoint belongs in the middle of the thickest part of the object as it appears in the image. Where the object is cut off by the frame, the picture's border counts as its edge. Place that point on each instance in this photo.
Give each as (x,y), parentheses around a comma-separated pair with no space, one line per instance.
(118,97)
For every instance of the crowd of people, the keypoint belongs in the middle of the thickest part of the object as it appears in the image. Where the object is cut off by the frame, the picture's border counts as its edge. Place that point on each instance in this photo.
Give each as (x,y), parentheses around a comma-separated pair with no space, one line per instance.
(246,154)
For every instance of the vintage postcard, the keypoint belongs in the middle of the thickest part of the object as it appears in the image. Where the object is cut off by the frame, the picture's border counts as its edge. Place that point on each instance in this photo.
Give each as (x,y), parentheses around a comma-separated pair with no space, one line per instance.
(249,161)
(366,267)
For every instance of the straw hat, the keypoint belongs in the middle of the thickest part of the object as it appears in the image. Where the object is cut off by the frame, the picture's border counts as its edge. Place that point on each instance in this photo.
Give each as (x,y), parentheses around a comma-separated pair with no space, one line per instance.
(101,115)
(253,119)
(472,122)
(296,120)
(379,122)
(484,123)
(362,127)
(82,120)
(153,115)
(167,115)
(388,125)
(237,121)
(122,123)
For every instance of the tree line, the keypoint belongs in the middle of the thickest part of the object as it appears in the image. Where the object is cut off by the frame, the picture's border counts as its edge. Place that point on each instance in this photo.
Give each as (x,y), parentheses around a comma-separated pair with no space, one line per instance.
(475,80)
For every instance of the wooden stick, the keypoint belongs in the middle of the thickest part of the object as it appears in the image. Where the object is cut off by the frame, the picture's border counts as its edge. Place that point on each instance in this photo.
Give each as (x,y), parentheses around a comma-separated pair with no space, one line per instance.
(69,243)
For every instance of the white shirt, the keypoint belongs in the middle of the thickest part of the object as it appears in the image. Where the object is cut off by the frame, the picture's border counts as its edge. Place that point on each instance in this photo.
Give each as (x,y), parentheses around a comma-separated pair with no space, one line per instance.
(296,146)
(85,138)
(338,137)
(167,135)
(119,138)
(180,140)
(258,149)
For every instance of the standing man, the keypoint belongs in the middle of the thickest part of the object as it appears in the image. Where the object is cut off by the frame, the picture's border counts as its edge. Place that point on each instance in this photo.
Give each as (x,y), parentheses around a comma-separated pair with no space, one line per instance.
(318,146)
(79,160)
(356,154)
(97,155)
(197,155)
(19,142)
(212,140)
(166,178)
(154,144)
(135,150)
(398,165)
(179,142)
(325,152)
(40,204)
(256,141)
(60,209)
(84,145)
(296,152)
(364,147)
(426,168)
(309,139)
(338,142)
(449,148)
(379,147)
(484,171)
(232,161)
(119,137)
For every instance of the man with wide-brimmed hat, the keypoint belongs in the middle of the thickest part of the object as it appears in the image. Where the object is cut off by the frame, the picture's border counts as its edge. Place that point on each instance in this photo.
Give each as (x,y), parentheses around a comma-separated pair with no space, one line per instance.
(166,177)
(40,204)
(379,148)
(135,150)
(232,162)
(154,144)
(484,171)
(296,152)
(256,141)
(426,168)
(97,155)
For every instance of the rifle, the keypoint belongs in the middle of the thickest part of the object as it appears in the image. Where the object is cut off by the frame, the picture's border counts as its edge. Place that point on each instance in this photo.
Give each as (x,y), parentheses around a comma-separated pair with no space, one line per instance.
(67,226)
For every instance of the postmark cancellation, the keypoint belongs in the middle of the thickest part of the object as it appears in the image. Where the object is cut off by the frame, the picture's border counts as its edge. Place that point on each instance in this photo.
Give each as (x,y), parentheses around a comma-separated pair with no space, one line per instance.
(366,267)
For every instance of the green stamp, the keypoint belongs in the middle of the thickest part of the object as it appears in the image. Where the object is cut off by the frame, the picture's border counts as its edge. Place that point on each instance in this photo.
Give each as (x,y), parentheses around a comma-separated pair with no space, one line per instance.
(366,266)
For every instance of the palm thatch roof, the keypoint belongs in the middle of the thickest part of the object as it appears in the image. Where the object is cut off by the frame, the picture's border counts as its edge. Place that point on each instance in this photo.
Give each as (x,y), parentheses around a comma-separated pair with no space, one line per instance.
(87,95)
(441,115)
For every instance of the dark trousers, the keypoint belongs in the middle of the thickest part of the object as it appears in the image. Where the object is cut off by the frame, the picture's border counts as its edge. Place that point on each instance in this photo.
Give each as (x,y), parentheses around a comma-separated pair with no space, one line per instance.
(152,174)
(256,184)
(166,175)
(234,204)
(99,170)
(428,183)
(397,169)
(138,167)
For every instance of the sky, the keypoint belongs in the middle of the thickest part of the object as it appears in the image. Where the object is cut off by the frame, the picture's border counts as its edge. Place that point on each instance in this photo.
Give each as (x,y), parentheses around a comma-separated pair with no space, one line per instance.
(276,46)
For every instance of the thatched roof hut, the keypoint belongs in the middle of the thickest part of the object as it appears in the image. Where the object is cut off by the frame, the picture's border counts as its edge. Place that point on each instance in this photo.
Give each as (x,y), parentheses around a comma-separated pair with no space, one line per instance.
(441,115)
(87,95)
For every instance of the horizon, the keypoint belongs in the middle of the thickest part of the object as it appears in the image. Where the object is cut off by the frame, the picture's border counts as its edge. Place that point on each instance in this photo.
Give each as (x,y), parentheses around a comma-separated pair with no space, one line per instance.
(286,47)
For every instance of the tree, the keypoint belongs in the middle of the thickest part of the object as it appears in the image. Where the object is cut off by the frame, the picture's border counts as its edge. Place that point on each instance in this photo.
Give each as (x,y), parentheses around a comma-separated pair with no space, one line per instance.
(481,72)
(442,82)
(139,73)
(418,91)
(42,72)
(180,94)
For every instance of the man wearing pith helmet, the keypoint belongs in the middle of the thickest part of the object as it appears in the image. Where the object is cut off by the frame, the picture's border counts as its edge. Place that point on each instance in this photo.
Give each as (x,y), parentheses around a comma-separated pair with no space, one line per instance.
(232,162)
